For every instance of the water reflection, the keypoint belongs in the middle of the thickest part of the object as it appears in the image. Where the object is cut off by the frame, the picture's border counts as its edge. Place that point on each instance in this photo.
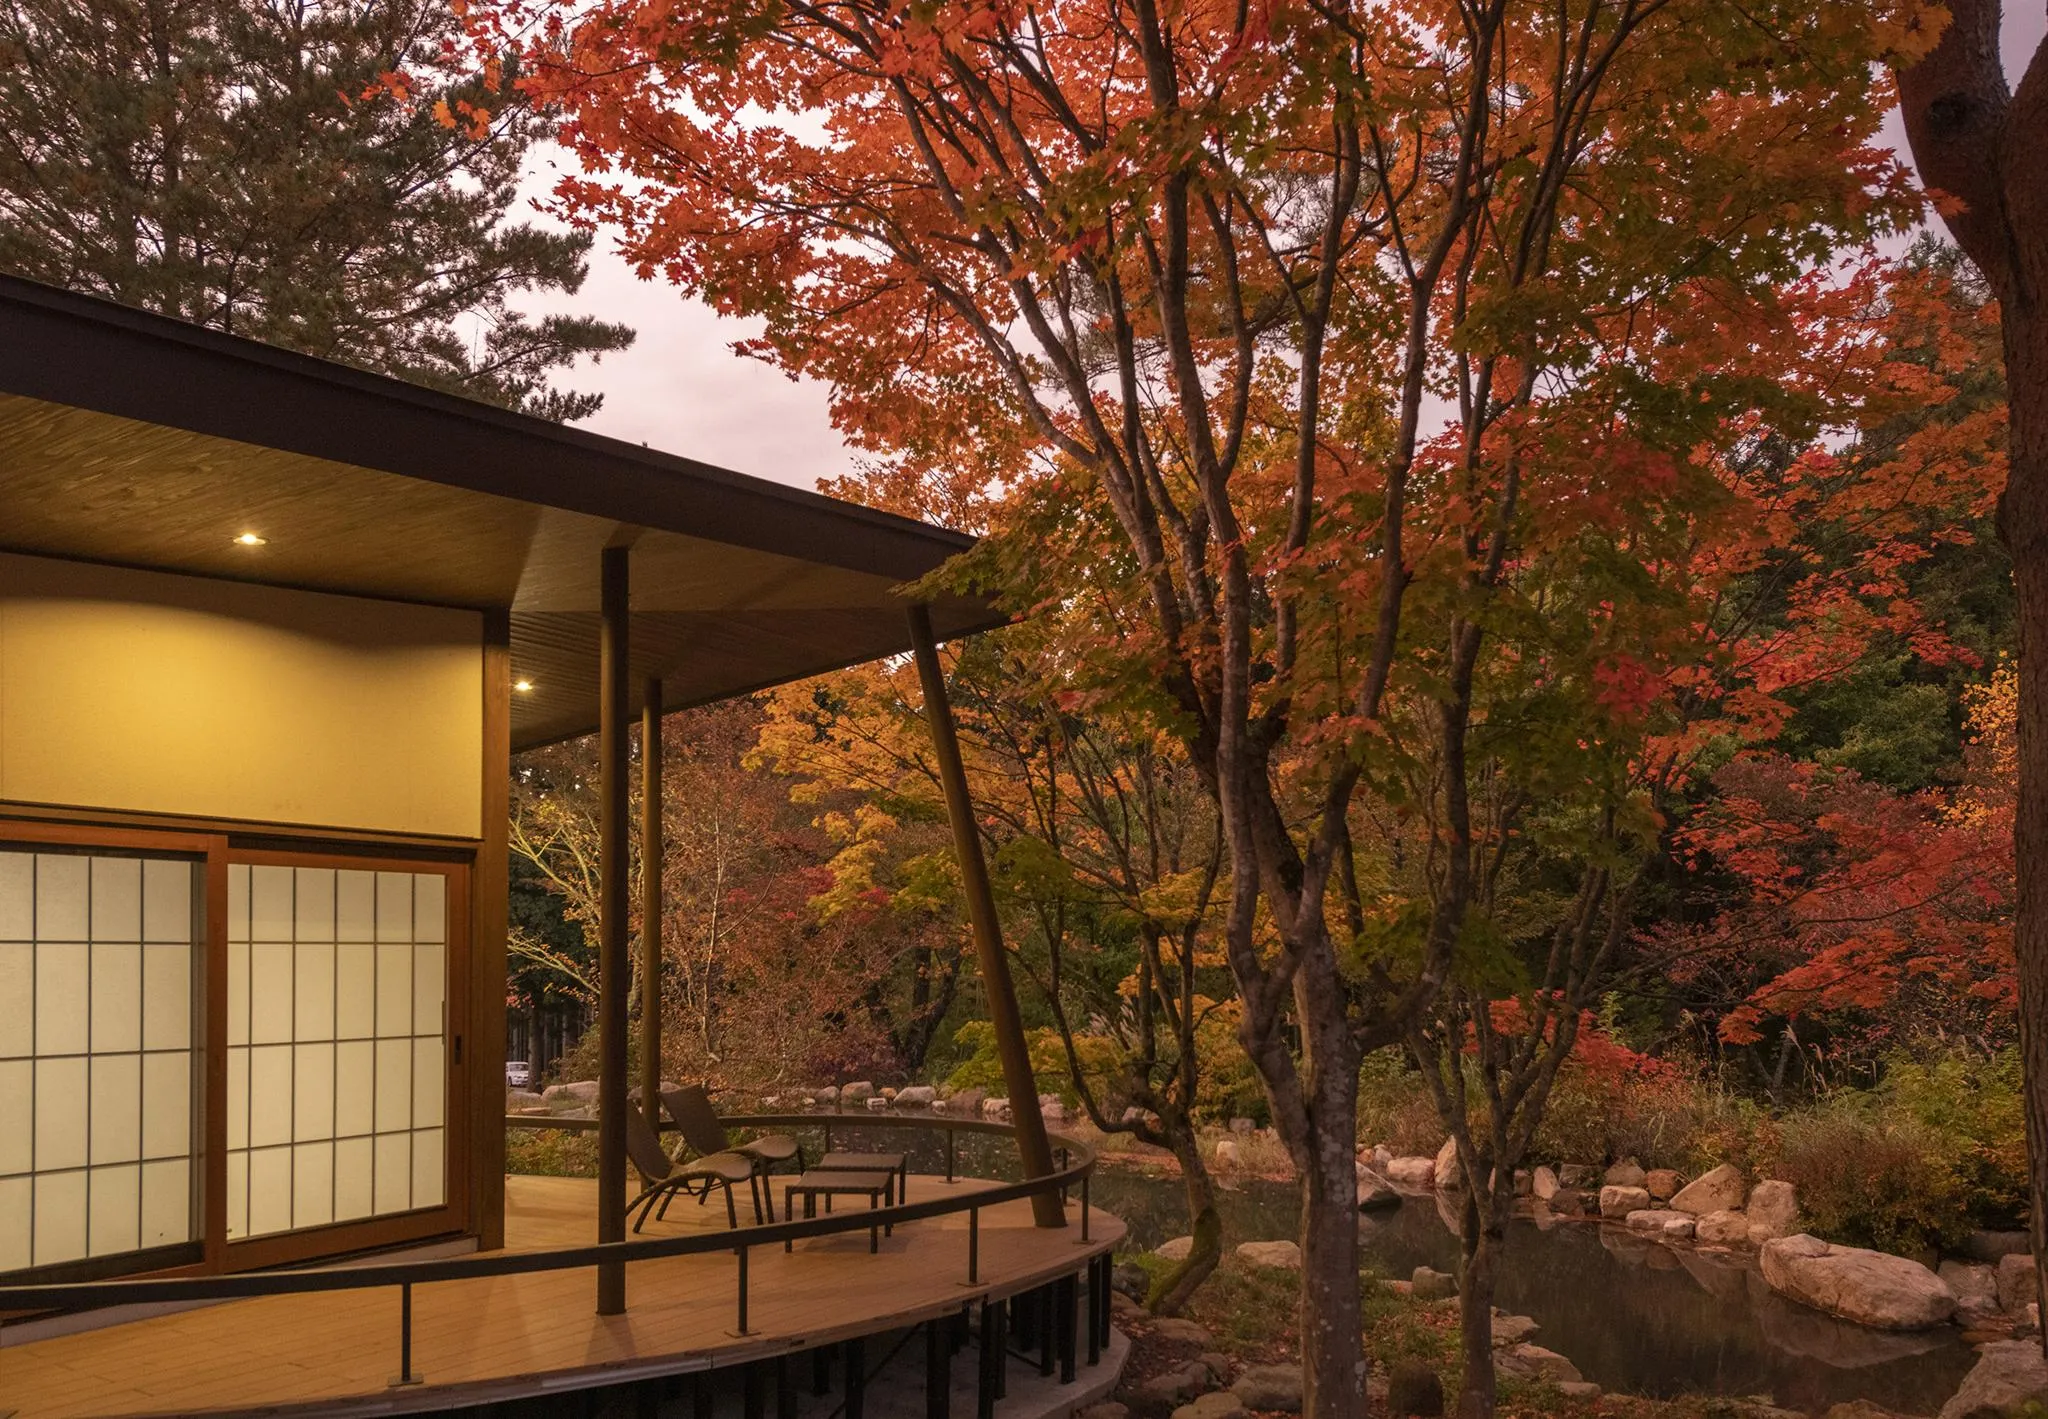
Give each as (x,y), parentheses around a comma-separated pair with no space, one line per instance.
(1632,1314)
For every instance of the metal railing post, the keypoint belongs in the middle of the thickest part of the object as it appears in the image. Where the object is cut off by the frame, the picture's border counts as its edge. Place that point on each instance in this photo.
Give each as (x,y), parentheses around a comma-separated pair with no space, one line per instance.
(949,1153)
(1084,1206)
(742,1254)
(973,1246)
(405,1374)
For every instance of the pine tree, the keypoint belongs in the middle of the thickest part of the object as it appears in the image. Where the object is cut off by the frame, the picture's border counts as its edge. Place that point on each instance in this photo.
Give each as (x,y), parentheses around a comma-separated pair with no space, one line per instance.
(324,175)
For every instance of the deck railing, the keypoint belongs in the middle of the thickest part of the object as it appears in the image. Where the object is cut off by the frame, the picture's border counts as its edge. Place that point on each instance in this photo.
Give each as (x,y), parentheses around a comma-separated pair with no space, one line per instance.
(1077,1166)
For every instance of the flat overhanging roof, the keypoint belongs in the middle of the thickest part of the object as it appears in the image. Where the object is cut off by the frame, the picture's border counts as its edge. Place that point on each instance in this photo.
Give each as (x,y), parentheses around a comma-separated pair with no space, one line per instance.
(132,439)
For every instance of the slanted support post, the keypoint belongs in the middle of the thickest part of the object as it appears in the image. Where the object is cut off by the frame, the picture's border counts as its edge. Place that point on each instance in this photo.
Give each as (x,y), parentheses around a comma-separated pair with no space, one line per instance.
(1029,1124)
(613,894)
(650,900)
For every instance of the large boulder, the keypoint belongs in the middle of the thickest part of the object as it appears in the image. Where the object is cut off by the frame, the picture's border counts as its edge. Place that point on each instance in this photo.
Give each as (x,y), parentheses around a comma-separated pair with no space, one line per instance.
(1181,1331)
(1578,1175)
(1657,1219)
(1222,1404)
(1512,1330)
(1286,1255)
(1773,1210)
(1976,1288)
(1414,1391)
(1449,1172)
(917,1096)
(2008,1374)
(1626,1173)
(1270,1388)
(1990,1246)
(1226,1153)
(1663,1183)
(1375,1193)
(1175,1250)
(1721,1190)
(1867,1287)
(1176,1386)
(1543,1184)
(1431,1285)
(858,1092)
(1529,1361)
(2018,1283)
(1722,1229)
(1412,1172)
(1618,1200)
(580,1091)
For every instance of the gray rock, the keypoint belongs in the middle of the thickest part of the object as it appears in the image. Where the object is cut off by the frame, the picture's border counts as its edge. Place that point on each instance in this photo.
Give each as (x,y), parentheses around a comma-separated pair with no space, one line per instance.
(1578,1175)
(967,1101)
(997,1109)
(1721,1190)
(1176,1250)
(1270,1387)
(1220,1405)
(1578,1389)
(1412,1172)
(1773,1211)
(1180,1331)
(1626,1173)
(1530,1361)
(878,1105)
(1617,1200)
(858,1092)
(1512,1330)
(1722,1229)
(1655,1219)
(1449,1172)
(1544,1184)
(827,1095)
(1990,1246)
(1429,1285)
(1975,1286)
(1663,1183)
(1226,1153)
(1525,1183)
(2008,1374)
(1285,1255)
(919,1096)
(1176,1386)
(1414,1391)
(2018,1283)
(1867,1287)
(1375,1193)
(582,1091)
(1131,1279)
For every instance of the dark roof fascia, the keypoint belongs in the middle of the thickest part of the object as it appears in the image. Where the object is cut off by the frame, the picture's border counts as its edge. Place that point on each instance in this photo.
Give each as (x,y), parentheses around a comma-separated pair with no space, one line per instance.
(69,349)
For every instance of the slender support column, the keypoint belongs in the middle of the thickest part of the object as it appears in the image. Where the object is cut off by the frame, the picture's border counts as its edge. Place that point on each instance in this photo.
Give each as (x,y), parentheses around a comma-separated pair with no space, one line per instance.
(611,939)
(650,900)
(1035,1151)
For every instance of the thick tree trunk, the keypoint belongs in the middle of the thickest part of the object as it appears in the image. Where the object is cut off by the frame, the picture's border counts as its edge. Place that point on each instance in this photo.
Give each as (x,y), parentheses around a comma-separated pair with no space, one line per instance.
(1332,1358)
(1171,1291)
(2023,523)
(1483,1237)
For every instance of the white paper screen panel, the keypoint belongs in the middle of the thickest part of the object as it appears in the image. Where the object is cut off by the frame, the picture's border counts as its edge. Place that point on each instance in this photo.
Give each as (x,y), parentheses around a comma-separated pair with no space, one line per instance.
(96,1080)
(337,1045)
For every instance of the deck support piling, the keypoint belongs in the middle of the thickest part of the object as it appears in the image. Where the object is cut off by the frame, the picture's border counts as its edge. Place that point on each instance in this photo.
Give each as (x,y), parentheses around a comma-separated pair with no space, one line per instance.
(856,1378)
(785,1387)
(1032,1145)
(991,1358)
(1064,1296)
(650,900)
(612,898)
(938,1368)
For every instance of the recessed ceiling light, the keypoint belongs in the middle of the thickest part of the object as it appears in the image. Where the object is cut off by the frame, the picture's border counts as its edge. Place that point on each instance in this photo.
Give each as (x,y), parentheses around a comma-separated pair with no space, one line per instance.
(250,539)
(523,686)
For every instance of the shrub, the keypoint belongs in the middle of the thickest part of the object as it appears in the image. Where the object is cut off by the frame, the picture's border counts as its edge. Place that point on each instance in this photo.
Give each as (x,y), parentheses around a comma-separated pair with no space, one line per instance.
(1395,1106)
(1976,1103)
(1869,1180)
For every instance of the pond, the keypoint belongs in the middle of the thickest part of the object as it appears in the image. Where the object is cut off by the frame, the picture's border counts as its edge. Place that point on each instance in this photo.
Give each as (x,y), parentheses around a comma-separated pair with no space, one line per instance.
(1635,1316)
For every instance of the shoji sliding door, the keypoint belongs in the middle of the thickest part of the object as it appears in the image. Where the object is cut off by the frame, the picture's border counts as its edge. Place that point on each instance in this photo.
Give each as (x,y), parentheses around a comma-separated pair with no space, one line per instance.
(99,957)
(339,1046)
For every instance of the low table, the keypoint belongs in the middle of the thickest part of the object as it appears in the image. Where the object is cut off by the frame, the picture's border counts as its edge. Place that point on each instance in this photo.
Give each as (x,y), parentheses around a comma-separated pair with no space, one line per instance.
(880,1188)
(869,1163)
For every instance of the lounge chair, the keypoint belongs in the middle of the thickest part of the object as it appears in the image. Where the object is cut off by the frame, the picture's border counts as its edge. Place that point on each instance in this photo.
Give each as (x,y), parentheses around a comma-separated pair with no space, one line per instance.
(690,1106)
(662,1177)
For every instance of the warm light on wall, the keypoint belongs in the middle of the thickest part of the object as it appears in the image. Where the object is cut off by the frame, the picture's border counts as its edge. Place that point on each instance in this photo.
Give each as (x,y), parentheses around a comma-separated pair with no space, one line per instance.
(250,539)
(524,687)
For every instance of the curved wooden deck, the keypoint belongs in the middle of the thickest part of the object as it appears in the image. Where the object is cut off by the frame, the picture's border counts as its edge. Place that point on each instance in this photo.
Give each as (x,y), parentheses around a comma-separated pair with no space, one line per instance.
(506,1337)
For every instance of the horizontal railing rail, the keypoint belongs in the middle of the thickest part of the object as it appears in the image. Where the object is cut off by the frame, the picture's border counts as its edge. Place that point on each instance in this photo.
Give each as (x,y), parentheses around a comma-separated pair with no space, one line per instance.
(1079,1167)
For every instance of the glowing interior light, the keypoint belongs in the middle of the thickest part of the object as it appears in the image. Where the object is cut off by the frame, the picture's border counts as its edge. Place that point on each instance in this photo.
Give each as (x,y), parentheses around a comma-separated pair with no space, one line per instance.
(250,539)
(522,686)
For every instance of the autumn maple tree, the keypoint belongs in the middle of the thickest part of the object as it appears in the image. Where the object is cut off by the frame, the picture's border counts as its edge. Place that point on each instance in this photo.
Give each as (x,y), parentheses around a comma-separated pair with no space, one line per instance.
(1217,274)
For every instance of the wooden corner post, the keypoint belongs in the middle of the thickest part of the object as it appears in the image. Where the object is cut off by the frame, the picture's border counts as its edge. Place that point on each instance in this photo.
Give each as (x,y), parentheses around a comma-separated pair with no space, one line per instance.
(612,960)
(1032,1144)
(650,900)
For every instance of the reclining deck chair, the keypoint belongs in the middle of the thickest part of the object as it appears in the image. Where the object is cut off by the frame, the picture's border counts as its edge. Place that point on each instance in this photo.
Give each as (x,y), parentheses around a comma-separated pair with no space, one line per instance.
(662,1177)
(690,1106)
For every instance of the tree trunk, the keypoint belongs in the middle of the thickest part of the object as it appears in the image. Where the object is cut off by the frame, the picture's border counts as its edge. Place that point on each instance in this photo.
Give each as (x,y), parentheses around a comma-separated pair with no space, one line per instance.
(1171,1291)
(1483,1236)
(1332,1361)
(2023,524)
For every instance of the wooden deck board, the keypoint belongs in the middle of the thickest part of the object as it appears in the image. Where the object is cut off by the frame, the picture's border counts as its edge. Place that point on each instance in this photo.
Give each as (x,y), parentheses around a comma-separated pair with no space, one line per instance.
(492,1337)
